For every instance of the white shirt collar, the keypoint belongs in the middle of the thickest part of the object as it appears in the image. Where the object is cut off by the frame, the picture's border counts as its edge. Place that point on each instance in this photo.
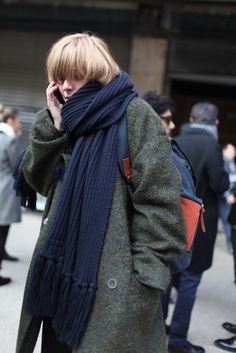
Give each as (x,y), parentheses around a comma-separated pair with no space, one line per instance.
(7,129)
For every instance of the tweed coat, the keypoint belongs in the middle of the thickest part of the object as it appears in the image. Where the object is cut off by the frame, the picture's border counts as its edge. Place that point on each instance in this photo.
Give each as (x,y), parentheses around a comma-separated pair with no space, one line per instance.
(205,155)
(126,316)
(10,210)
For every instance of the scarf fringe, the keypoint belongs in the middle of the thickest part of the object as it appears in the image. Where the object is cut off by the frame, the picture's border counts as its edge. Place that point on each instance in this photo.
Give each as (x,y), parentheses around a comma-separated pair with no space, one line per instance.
(44,287)
(22,188)
(72,315)
(67,302)
(62,304)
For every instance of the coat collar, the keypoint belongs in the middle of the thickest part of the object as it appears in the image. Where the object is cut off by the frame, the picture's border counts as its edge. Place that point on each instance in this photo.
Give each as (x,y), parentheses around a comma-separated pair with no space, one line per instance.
(7,130)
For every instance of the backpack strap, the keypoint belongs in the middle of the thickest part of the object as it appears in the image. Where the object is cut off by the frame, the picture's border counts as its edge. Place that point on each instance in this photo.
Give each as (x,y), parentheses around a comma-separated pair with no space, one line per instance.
(178,151)
(176,148)
(123,150)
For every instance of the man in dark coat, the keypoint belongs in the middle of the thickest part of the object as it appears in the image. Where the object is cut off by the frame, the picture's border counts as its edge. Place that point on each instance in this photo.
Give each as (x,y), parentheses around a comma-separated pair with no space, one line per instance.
(228,344)
(200,145)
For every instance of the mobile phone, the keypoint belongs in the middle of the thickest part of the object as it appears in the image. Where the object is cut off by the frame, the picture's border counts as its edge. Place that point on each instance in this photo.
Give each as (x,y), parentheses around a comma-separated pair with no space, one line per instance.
(58,96)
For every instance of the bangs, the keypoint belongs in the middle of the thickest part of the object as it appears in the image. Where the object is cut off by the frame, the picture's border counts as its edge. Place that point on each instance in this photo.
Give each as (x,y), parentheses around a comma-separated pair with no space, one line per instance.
(81,56)
(63,64)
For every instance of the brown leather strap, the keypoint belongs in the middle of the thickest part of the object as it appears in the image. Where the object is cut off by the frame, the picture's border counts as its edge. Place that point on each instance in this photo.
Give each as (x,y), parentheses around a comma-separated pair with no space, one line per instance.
(127,168)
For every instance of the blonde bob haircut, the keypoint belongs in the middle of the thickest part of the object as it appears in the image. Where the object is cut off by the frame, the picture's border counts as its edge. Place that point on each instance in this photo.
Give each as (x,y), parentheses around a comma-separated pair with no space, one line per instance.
(81,56)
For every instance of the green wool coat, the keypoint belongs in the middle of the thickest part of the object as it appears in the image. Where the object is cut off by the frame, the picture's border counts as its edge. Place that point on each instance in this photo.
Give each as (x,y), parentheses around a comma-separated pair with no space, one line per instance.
(126,316)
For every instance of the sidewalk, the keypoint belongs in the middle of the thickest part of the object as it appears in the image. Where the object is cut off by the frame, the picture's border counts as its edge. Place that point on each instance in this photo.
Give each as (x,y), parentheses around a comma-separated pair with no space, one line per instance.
(216,300)
(21,241)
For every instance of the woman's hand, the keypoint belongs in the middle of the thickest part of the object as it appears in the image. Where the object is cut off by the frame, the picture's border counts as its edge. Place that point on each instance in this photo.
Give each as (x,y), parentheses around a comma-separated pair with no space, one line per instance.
(53,105)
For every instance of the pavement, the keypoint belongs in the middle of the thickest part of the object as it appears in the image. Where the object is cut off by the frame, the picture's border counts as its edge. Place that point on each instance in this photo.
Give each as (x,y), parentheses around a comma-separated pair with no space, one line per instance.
(215,303)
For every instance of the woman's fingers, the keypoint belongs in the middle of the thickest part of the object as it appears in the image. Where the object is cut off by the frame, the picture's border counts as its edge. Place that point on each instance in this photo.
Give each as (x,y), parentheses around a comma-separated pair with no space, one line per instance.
(53,104)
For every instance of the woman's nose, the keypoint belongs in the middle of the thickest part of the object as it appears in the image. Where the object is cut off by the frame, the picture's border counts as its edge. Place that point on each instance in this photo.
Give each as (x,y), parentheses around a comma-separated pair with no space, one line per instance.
(66,85)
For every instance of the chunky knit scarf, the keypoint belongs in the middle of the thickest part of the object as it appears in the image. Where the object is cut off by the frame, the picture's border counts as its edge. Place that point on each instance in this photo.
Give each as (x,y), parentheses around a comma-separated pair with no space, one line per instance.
(64,278)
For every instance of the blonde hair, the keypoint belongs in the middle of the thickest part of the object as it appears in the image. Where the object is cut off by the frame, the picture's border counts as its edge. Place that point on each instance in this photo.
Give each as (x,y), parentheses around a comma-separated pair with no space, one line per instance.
(1,111)
(81,56)
(8,112)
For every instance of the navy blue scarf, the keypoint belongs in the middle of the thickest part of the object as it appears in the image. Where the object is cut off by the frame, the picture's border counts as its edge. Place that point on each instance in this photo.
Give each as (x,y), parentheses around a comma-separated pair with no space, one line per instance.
(64,278)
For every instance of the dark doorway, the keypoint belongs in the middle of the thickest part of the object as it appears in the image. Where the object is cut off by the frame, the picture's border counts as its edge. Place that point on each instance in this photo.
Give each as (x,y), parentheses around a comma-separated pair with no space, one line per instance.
(186,93)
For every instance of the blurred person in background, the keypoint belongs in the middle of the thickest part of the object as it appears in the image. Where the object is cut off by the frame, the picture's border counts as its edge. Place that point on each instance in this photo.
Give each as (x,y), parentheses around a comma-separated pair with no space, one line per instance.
(227,344)
(10,210)
(163,106)
(200,145)
(227,199)
(232,221)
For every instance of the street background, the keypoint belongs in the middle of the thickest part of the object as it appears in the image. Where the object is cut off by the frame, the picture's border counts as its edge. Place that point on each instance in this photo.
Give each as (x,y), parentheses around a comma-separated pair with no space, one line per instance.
(216,299)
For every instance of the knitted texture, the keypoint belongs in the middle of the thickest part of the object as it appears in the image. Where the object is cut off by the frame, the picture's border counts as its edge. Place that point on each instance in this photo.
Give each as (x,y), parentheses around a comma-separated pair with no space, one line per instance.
(64,279)
(22,188)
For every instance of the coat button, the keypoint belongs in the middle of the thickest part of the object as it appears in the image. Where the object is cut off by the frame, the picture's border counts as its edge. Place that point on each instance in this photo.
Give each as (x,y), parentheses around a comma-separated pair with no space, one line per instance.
(45,221)
(112,283)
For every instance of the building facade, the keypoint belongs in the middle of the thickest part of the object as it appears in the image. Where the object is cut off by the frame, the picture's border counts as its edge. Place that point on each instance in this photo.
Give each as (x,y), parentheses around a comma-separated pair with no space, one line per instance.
(185,49)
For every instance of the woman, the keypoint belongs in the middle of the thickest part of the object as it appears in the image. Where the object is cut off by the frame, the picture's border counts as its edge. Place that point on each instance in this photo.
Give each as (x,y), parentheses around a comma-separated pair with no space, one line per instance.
(232,222)
(97,269)
(10,211)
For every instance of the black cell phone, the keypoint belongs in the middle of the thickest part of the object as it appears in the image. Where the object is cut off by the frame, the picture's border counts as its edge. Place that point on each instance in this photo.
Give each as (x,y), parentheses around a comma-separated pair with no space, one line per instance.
(58,96)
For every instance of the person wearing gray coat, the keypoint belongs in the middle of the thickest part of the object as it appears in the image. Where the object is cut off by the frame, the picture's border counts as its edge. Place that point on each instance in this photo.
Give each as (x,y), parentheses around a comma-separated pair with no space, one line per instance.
(101,260)
(10,211)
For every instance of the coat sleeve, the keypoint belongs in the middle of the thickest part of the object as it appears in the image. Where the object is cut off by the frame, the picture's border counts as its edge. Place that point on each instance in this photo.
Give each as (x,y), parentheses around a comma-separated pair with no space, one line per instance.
(43,153)
(157,230)
(218,177)
(11,152)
